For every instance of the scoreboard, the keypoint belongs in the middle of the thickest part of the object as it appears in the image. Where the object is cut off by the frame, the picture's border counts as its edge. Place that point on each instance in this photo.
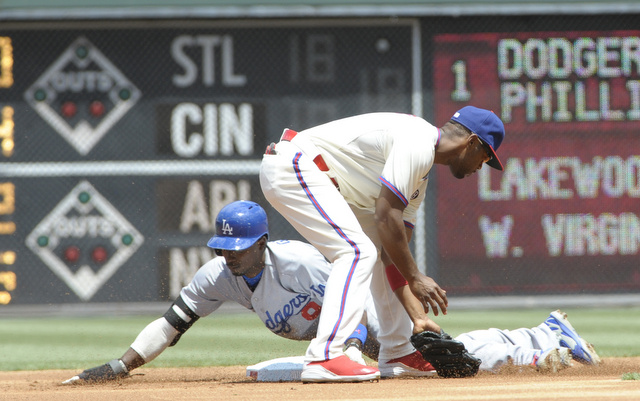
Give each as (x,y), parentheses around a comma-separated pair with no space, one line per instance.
(122,140)
(564,215)
(7,189)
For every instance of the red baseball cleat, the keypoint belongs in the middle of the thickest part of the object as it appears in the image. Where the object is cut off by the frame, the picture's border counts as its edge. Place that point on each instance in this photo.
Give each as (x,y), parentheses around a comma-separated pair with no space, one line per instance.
(408,365)
(340,369)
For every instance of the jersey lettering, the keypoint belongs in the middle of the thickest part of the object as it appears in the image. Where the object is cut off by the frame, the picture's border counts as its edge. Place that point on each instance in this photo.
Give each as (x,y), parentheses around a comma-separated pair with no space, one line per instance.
(319,290)
(311,311)
(277,321)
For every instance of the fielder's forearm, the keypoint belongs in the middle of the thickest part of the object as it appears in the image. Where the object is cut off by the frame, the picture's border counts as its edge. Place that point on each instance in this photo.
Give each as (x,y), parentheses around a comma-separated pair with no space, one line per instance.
(390,227)
(395,239)
(415,310)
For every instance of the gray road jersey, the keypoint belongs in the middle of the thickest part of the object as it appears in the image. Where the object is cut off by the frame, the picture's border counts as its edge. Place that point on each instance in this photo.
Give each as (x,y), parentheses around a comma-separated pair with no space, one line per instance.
(287,299)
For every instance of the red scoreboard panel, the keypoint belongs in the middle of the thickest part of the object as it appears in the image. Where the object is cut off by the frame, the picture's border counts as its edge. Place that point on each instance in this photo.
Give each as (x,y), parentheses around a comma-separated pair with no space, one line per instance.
(564,216)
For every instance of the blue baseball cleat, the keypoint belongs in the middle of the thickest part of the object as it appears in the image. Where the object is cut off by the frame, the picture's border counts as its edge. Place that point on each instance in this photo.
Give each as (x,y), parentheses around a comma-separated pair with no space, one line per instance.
(581,350)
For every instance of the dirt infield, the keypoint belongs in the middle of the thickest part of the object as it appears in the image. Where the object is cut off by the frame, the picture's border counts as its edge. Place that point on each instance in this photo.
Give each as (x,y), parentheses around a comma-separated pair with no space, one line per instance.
(230,383)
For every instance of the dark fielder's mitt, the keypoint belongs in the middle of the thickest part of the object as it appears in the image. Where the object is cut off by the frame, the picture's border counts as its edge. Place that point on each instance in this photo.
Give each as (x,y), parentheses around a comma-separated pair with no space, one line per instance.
(448,356)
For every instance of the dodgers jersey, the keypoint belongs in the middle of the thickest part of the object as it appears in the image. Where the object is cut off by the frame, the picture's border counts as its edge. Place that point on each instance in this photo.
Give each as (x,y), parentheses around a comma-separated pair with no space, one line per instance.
(287,299)
(366,151)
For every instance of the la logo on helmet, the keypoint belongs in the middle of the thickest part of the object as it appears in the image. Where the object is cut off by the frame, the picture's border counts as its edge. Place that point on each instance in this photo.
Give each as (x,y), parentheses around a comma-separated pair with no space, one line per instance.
(226,228)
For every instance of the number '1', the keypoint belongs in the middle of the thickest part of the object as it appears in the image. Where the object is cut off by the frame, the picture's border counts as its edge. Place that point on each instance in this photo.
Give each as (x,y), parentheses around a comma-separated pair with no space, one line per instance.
(460,93)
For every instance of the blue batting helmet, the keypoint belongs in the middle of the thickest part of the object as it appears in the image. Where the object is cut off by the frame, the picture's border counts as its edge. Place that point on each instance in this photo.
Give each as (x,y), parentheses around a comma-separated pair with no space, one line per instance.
(239,225)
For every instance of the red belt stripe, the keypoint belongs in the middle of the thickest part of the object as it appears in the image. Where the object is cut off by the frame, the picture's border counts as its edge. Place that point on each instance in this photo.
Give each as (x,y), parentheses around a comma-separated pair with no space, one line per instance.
(288,136)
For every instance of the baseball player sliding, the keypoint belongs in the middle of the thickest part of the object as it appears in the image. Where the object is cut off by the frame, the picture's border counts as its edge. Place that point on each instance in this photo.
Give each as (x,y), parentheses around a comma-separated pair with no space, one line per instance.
(283,282)
(352,187)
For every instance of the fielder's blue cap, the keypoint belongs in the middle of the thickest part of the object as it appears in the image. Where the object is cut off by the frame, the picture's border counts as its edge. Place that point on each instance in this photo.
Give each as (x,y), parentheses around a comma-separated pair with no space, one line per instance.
(239,225)
(487,126)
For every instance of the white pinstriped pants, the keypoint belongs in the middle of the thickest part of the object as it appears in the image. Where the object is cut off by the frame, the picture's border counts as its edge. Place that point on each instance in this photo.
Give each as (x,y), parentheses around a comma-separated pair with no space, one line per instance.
(308,199)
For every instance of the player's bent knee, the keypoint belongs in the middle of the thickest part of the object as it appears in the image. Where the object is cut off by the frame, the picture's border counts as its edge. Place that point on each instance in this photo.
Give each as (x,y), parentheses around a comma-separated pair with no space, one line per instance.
(368,252)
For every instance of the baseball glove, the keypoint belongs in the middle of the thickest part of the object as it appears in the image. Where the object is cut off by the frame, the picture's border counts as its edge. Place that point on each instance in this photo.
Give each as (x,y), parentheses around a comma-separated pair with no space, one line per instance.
(449,357)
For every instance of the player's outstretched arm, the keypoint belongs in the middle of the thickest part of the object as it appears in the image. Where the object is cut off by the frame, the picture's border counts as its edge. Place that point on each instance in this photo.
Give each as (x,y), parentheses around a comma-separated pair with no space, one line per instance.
(411,304)
(151,342)
(416,312)
(112,370)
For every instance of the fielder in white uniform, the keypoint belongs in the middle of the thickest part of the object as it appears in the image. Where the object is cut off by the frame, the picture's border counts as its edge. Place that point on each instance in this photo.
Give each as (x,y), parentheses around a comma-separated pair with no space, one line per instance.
(352,188)
(284,283)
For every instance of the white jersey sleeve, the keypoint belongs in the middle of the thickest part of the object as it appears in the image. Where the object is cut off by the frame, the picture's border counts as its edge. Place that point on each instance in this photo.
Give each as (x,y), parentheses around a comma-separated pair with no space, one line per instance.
(410,152)
(410,214)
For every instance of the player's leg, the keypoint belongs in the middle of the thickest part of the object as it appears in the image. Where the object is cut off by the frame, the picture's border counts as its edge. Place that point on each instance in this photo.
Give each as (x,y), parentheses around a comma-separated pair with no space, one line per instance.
(308,200)
(395,325)
(582,351)
(397,357)
(372,346)
(497,347)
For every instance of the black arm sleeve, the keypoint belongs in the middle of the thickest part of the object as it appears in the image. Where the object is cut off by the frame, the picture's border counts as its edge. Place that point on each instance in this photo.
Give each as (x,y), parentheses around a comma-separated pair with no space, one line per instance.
(180,317)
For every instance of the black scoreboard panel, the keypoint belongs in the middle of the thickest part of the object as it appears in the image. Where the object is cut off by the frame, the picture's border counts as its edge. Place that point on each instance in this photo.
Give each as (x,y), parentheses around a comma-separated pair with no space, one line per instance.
(122,140)
(152,88)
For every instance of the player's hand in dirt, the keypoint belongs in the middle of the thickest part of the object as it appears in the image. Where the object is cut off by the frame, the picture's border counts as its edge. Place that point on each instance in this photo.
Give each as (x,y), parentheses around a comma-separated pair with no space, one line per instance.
(112,370)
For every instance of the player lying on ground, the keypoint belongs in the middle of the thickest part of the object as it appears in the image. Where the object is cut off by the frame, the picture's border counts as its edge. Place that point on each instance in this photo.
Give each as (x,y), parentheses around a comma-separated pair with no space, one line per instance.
(283,282)
(550,346)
